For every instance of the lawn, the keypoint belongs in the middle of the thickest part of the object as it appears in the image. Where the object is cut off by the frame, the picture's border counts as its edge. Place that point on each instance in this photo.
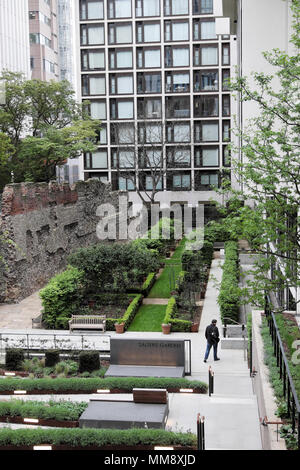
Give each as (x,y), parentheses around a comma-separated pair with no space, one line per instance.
(148,318)
(173,266)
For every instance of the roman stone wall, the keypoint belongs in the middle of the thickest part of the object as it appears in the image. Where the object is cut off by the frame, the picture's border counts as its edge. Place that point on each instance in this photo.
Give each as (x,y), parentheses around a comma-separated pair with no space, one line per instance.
(40,225)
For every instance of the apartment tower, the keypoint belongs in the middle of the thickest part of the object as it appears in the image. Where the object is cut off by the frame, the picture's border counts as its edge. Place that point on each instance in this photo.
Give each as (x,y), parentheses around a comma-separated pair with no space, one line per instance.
(155,73)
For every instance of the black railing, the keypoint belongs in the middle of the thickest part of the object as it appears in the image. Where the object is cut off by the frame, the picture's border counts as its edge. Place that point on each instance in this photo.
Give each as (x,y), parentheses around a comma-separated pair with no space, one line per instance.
(289,390)
(200,432)
(210,381)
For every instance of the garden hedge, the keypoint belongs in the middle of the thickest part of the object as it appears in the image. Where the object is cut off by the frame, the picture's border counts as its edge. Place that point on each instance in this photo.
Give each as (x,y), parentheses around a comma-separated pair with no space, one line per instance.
(95,437)
(170,317)
(128,315)
(13,358)
(90,385)
(61,411)
(229,295)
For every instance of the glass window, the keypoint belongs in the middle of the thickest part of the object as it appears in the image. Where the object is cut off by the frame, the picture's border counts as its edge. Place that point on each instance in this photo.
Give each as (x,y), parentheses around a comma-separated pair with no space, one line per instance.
(225,79)
(178,107)
(122,133)
(225,54)
(120,59)
(177,56)
(119,9)
(97,109)
(149,82)
(120,33)
(176,7)
(177,82)
(149,108)
(91,10)
(149,181)
(93,85)
(206,131)
(179,157)
(178,132)
(150,133)
(126,183)
(92,59)
(206,105)
(226,131)
(151,32)
(176,30)
(226,156)
(206,80)
(203,7)
(92,34)
(123,158)
(181,181)
(121,84)
(226,105)
(209,55)
(99,159)
(148,58)
(207,30)
(147,8)
(125,109)
(209,179)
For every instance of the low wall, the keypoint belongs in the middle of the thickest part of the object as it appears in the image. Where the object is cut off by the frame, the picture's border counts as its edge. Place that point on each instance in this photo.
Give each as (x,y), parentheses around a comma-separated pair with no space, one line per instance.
(40,225)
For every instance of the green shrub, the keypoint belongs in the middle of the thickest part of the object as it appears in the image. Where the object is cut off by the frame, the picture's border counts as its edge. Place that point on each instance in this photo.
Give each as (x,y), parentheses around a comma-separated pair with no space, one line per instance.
(51,357)
(229,295)
(62,297)
(177,325)
(58,410)
(14,359)
(89,361)
(90,385)
(148,284)
(95,437)
(114,267)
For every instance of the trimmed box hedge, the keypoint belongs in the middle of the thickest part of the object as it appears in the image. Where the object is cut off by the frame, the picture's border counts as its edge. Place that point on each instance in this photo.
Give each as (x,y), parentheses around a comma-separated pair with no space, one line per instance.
(14,358)
(176,324)
(90,385)
(128,315)
(229,296)
(60,411)
(95,437)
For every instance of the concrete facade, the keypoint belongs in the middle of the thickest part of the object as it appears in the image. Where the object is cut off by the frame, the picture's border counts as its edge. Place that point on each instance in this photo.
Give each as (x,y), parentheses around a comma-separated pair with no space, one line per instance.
(14,34)
(175,83)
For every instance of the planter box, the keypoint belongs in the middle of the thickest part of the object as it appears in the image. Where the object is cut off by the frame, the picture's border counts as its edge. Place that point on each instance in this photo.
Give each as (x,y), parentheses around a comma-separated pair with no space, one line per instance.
(105,447)
(84,392)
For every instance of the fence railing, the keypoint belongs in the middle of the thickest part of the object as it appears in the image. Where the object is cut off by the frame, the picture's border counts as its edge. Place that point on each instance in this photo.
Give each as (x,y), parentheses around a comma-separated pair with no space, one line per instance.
(289,389)
(37,342)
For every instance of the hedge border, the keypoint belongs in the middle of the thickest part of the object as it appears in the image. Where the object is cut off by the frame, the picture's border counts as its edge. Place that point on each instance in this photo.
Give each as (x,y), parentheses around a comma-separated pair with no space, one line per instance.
(91,385)
(177,325)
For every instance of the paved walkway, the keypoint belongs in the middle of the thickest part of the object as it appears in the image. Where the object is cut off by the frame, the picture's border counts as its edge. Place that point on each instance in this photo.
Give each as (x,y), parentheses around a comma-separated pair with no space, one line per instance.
(231,413)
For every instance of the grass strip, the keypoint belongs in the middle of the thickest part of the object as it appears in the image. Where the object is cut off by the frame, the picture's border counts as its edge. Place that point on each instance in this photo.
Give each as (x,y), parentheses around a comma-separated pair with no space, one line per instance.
(148,318)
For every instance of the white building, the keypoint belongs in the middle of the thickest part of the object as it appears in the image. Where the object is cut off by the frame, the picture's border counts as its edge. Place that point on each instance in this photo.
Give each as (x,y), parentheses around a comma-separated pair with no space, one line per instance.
(14,36)
(260,26)
(157,62)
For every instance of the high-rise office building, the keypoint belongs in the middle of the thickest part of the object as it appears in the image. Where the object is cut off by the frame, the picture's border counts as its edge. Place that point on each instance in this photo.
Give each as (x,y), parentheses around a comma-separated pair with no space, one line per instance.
(43,33)
(155,73)
(14,34)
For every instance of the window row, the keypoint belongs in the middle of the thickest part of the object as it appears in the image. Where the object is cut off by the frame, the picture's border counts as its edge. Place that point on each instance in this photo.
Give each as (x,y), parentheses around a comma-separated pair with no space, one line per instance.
(176,181)
(203,55)
(176,157)
(151,108)
(175,82)
(175,132)
(121,33)
(94,9)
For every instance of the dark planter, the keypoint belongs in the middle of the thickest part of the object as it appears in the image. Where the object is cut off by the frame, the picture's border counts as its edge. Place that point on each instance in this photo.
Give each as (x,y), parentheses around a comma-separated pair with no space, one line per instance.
(42,422)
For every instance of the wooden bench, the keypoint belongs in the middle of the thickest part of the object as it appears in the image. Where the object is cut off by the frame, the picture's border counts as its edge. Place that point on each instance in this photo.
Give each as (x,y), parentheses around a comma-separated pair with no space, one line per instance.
(87,322)
(150,395)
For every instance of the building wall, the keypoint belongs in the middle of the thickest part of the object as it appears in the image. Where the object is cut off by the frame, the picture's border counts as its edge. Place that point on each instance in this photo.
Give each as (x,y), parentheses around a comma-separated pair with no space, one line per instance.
(195,171)
(40,225)
(43,32)
(14,33)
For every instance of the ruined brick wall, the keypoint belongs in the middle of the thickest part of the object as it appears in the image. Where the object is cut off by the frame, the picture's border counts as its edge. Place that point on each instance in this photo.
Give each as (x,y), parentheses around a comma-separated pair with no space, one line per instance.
(40,225)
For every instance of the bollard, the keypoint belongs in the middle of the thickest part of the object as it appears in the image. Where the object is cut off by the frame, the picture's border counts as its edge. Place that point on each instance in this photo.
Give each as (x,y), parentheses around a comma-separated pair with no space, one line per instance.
(210,381)
(200,432)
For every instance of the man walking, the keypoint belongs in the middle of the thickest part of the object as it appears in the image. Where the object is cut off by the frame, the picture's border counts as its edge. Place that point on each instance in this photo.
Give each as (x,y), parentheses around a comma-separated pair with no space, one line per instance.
(212,337)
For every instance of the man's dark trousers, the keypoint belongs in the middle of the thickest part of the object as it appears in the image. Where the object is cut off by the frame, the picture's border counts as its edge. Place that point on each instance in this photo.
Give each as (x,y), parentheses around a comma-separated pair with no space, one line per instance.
(208,348)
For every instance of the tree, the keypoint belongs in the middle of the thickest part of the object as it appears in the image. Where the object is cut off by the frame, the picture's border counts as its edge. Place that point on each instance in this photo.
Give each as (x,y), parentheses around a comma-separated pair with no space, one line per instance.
(144,157)
(45,126)
(270,172)
(6,151)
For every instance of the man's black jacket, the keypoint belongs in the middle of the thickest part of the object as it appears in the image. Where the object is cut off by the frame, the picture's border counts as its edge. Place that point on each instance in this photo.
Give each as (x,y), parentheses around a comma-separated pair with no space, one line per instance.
(212,334)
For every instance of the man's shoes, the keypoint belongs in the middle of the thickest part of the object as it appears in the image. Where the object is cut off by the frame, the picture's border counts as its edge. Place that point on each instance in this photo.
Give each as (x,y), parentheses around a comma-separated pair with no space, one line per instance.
(204,360)
(217,359)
